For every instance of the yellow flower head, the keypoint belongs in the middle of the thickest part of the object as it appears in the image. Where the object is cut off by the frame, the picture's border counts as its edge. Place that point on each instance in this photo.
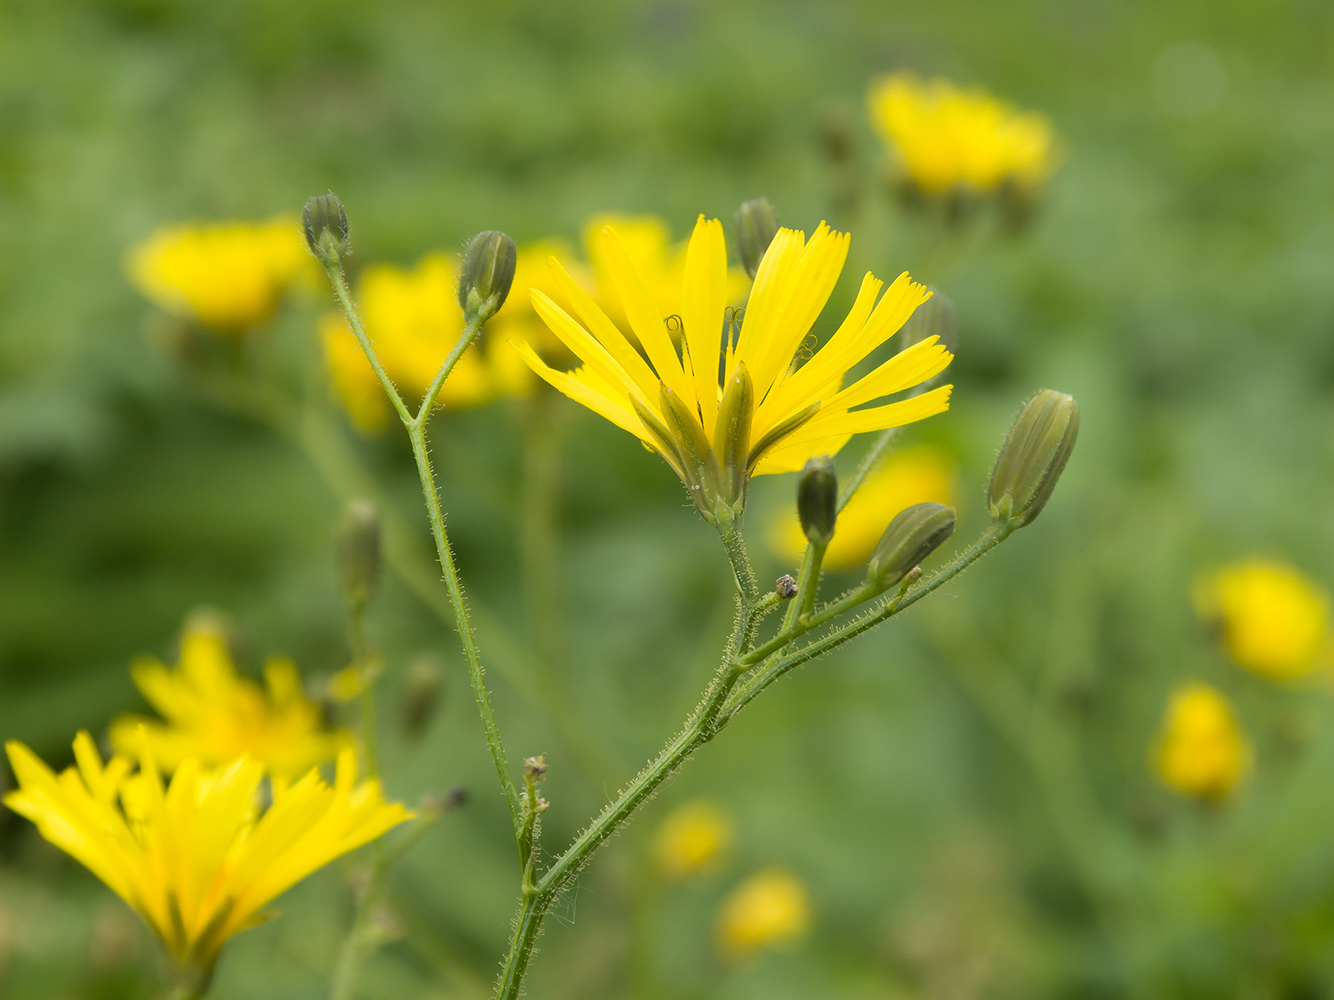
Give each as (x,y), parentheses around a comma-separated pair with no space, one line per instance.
(196,859)
(214,715)
(945,137)
(516,320)
(914,475)
(1274,620)
(229,276)
(769,413)
(771,909)
(413,320)
(692,840)
(1202,750)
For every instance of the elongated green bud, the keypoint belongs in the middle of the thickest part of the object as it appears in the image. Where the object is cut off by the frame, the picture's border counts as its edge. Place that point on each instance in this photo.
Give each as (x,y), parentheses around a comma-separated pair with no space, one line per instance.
(1032,458)
(358,552)
(731,434)
(914,534)
(325,224)
(756,225)
(487,273)
(699,465)
(817,500)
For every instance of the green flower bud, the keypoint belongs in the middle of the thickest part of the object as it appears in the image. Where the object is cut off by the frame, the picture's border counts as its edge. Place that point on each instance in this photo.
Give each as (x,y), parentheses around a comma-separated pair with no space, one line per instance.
(325,225)
(1032,458)
(817,500)
(731,433)
(358,552)
(534,769)
(487,273)
(933,318)
(756,225)
(421,695)
(914,534)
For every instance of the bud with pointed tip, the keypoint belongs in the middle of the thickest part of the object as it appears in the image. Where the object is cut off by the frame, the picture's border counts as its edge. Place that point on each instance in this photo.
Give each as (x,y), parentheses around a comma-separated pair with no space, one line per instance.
(358,552)
(817,500)
(325,224)
(1032,458)
(731,434)
(487,273)
(914,534)
(756,225)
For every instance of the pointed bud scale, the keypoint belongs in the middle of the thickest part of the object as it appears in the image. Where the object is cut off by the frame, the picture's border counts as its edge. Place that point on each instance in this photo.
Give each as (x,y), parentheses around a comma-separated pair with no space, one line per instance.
(325,225)
(1032,458)
(914,534)
(487,273)
(702,475)
(756,225)
(817,500)
(731,434)
(358,552)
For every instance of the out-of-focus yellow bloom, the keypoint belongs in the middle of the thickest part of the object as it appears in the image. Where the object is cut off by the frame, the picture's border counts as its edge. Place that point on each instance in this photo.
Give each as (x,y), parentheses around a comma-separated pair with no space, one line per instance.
(947,138)
(214,715)
(1274,620)
(413,320)
(914,475)
(229,276)
(517,321)
(797,411)
(693,840)
(771,909)
(1202,750)
(197,859)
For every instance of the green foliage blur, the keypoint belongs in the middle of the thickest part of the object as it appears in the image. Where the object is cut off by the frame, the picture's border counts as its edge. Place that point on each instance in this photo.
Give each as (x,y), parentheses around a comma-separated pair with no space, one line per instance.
(966,791)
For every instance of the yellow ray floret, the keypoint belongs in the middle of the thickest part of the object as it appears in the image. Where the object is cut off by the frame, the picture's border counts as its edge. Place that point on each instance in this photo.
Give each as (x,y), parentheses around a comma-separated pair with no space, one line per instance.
(732,403)
(215,715)
(197,858)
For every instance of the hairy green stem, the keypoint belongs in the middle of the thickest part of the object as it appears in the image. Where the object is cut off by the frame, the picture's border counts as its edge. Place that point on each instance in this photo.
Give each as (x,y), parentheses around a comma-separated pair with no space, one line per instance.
(867,465)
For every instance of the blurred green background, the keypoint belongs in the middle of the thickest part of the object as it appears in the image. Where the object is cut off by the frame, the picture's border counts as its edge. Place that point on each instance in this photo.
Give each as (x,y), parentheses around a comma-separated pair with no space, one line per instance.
(966,791)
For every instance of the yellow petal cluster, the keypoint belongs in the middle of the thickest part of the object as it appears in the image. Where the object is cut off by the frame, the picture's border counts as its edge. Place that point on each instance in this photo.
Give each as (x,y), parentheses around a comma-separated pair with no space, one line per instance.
(1274,620)
(1202,750)
(771,909)
(693,840)
(229,276)
(799,409)
(945,137)
(413,320)
(907,477)
(197,858)
(214,715)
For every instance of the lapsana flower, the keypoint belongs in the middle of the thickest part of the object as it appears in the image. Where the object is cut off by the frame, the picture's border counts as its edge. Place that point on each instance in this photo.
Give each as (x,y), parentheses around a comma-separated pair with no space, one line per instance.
(948,138)
(214,715)
(914,475)
(769,414)
(771,909)
(413,320)
(1202,750)
(692,840)
(197,859)
(229,276)
(1274,620)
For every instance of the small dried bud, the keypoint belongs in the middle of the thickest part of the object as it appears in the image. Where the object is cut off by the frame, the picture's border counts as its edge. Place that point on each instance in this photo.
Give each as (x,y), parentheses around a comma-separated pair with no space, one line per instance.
(487,273)
(534,769)
(914,534)
(358,551)
(1032,458)
(786,587)
(325,226)
(817,500)
(756,225)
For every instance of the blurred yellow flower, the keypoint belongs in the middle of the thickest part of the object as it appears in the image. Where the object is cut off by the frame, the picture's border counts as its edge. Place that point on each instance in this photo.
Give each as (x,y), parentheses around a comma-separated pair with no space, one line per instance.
(771,909)
(693,840)
(197,859)
(1274,620)
(214,715)
(413,320)
(945,137)
(791,412)
(1202,750)
(914,475)
(229,276)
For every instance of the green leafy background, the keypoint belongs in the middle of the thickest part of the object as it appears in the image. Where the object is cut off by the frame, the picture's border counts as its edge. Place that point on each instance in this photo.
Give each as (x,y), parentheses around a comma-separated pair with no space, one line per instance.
(966,791)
